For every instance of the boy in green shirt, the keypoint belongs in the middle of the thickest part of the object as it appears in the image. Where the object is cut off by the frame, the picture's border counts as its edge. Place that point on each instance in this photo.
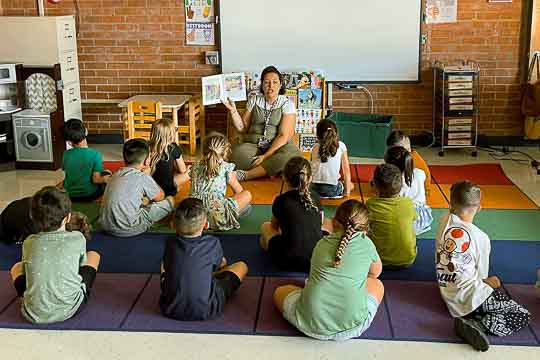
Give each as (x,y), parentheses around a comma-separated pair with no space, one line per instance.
(391,219)
(85,178)
(56,273)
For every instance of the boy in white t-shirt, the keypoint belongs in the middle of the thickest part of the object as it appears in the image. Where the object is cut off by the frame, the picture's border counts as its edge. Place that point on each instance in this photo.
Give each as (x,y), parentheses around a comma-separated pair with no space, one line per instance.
(476,301)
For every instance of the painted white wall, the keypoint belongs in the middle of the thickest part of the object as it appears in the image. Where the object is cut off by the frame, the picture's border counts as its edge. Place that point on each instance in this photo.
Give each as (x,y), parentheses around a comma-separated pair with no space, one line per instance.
(352,40)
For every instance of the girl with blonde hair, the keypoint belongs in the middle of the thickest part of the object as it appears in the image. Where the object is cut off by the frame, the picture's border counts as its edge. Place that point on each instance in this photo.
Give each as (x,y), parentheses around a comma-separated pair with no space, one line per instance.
(167,166)
(209,180)
(343,292)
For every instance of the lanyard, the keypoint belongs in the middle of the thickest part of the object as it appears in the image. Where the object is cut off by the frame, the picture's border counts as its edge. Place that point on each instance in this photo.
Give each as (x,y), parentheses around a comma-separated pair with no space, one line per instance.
(268,115)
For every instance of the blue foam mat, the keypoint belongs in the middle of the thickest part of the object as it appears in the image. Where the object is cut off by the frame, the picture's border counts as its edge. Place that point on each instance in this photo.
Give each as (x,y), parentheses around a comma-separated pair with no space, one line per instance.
(512,261)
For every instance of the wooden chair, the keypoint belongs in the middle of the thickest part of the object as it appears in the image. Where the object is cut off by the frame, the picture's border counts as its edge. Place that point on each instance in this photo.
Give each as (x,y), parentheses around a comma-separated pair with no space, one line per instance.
(194,124)
(140,116)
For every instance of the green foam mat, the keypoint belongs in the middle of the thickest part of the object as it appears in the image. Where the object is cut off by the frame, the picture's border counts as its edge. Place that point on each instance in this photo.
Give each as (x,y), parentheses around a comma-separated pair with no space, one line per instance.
(520,225)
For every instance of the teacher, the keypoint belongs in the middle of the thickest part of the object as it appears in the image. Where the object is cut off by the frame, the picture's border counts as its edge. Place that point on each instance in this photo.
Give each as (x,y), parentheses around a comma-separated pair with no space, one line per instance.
(267,126)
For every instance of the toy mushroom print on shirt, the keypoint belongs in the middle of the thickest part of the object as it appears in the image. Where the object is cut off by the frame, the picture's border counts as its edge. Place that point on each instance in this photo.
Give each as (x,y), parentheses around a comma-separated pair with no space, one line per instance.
(453,251)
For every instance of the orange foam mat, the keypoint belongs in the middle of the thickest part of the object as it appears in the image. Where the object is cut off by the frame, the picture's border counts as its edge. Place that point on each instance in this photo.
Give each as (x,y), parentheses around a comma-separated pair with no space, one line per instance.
(500,197)
(264,191)
(436,199)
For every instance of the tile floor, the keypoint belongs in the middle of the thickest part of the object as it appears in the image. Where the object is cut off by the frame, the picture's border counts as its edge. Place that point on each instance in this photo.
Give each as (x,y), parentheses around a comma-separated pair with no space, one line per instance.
(44,345)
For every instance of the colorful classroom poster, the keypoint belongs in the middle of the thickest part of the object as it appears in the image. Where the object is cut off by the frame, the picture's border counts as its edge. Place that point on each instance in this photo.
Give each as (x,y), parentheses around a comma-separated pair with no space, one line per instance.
(441,11)
(200,34)
(200,25)
(309,98)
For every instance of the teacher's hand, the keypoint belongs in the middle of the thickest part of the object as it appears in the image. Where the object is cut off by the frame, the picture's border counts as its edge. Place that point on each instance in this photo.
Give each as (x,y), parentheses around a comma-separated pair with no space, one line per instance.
(230,105)
(257,160)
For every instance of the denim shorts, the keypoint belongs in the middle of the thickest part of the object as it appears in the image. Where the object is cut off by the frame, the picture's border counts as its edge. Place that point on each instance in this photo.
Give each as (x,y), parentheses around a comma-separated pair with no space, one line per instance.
(329,191)
(289,313)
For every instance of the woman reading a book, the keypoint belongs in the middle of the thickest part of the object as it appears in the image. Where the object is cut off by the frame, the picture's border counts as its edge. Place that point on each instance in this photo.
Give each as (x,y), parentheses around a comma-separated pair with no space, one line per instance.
(267,127)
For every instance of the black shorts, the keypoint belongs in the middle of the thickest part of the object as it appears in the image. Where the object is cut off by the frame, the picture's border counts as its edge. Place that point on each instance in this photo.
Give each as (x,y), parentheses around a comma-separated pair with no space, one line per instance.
(87,273)
(228,281)
(279,249)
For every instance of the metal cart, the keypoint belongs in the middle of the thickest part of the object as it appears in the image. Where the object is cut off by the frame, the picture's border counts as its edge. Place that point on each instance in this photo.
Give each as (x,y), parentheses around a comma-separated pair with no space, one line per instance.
(456,104)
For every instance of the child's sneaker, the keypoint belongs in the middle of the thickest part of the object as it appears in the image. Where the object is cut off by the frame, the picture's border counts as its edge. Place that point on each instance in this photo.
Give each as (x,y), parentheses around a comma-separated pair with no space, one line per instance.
(241,175)
(472,333)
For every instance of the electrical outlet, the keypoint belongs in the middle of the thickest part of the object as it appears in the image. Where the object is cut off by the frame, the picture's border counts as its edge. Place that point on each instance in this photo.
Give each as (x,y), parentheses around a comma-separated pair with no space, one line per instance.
(424,39)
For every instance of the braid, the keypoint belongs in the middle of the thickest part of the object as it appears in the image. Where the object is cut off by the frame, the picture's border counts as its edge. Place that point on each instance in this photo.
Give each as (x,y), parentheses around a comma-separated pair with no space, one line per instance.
(304,191)
(328,139)
(353,216)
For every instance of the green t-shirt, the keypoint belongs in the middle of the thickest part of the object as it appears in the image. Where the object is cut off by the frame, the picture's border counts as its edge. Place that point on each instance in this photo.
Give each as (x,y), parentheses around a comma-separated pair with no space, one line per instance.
(54,288)
(392,231)
(79,165)
(335,299)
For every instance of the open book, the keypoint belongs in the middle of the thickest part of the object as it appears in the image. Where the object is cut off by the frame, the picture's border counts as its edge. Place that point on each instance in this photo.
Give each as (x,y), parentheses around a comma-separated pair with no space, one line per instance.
(218,87)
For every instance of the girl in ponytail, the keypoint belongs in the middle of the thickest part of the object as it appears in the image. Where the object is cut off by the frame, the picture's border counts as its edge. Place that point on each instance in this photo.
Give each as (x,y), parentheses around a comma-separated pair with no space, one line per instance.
(328,157)
(297,219)
(413,186)
(209,180)
(343,292)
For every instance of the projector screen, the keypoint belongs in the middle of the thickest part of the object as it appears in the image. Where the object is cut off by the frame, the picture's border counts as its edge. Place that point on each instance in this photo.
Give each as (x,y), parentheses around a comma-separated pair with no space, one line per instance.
(350,40)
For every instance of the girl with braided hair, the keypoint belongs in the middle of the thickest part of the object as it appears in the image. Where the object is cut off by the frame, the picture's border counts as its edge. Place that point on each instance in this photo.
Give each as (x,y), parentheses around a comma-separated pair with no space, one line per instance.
(297,219)
(343,292)
(209,180)
(328,157)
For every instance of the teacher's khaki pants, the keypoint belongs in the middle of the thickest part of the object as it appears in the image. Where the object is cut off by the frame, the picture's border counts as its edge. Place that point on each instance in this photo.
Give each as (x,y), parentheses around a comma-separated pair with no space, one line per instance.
(242,157)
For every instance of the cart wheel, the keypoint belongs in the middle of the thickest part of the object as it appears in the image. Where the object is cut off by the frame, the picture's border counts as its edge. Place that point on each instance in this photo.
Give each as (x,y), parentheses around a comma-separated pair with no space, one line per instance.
(474,153)
(441,153)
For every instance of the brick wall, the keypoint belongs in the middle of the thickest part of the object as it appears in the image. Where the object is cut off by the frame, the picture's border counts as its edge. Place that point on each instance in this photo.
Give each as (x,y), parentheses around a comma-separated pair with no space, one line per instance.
(129,47)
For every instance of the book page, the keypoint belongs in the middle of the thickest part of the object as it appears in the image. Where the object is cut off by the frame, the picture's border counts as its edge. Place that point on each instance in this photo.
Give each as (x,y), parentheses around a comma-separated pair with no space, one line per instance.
(211,90)
(234,86)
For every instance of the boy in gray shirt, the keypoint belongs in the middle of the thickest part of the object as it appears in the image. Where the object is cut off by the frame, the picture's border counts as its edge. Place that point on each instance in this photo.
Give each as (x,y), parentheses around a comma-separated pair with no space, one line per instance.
(133,201)
(56,273)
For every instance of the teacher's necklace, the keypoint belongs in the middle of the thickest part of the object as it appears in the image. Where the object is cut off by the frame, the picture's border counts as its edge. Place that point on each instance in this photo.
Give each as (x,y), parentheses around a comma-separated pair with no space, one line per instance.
(268,112)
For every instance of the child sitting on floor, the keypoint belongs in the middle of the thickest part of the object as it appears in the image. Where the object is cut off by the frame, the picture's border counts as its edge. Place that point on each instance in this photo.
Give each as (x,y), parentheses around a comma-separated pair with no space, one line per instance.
(209,180)
(56,273)
(195,281)
(85,179)
(474,299)
(328,156)
(297,219)
(167,165)
(16,222)
(398,138)
(391,219)
(342,294)
(133,201)
(413,186)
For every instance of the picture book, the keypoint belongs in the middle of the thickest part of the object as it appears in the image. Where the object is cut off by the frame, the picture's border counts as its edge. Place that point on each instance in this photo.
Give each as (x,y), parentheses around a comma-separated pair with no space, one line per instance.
(225,86)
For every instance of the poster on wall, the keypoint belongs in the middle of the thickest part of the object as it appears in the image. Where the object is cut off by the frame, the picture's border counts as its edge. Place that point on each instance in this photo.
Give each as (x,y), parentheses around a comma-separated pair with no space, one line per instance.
(200,25)
(441,11)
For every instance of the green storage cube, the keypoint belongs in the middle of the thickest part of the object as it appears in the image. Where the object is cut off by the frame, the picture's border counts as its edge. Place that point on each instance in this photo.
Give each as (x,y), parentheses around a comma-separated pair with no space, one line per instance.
(364,134)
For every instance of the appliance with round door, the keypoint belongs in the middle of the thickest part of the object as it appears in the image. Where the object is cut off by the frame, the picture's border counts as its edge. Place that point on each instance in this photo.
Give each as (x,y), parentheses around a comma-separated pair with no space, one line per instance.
(32,133)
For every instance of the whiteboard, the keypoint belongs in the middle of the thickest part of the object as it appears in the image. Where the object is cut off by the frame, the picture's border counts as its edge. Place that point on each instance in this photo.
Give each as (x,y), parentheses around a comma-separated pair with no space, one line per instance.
(350,40)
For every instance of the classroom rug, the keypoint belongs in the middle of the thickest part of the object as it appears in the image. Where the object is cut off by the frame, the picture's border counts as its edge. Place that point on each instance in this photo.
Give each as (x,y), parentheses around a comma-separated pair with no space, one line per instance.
(512,261)
(499,192)
(411,310)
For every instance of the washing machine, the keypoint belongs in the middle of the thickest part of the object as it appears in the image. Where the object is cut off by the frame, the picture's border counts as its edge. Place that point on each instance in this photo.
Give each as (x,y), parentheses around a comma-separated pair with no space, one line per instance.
(32,135)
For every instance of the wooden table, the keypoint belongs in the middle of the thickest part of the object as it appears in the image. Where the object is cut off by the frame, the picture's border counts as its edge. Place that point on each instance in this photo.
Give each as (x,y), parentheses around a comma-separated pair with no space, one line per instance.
(169,103)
